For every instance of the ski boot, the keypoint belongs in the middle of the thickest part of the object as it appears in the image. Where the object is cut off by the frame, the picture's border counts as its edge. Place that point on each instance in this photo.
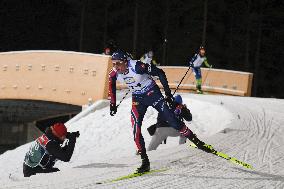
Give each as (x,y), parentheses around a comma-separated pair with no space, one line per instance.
(201,145)
(198,89)
(145,167)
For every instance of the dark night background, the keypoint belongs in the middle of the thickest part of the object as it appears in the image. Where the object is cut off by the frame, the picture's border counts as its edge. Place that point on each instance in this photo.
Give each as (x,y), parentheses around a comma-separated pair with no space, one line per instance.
(243,35)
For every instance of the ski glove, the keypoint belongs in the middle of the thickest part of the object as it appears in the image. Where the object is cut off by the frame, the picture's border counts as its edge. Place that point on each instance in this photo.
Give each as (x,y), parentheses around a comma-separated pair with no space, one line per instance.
(169,99)
(113,109)
(177,111)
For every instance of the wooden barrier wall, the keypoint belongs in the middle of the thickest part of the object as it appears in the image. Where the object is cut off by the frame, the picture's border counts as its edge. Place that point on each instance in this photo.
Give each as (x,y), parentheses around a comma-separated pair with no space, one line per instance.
(213,80)
(57,76)
(74,78)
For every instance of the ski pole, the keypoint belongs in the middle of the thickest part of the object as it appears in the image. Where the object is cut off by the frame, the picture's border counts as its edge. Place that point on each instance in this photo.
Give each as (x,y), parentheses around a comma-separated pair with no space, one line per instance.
(182,79)
(205,77)
(122,98)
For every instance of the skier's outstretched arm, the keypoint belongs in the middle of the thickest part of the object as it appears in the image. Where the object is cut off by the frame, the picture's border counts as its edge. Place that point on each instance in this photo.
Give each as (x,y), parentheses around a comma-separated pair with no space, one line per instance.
(112,86)
(63,154)
(112,92)
(154,71)
(207,64)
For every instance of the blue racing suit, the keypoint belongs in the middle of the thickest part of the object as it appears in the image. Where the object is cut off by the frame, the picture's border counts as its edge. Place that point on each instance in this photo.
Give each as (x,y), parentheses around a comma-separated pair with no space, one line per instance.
(145,93)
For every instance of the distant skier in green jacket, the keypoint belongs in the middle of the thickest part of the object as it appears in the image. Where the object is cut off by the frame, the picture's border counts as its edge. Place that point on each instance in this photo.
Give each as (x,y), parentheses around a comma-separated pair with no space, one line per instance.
(195,63)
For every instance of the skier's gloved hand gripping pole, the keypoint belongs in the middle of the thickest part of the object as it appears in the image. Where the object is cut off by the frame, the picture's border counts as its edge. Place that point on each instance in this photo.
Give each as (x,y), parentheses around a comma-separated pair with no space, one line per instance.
(169,98)
(113,107)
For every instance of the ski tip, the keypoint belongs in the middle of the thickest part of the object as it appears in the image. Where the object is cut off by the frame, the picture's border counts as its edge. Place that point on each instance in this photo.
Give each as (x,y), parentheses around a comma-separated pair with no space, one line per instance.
(243,164)
(132,175)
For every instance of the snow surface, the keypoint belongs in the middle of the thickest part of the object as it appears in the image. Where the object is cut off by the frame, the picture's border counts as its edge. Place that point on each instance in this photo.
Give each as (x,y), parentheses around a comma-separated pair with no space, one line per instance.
(250,129)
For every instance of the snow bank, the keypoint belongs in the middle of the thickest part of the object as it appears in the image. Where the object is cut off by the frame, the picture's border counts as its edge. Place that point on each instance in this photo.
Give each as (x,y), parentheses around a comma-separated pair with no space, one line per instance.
(104,137)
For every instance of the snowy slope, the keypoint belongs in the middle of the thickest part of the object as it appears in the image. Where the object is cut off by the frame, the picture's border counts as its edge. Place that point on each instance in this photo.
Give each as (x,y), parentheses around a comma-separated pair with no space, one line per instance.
(250,129)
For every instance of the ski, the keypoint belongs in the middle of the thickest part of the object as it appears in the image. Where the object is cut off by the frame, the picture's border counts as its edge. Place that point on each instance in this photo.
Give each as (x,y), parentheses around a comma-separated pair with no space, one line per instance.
(132,175)
(200,92)
(227,157)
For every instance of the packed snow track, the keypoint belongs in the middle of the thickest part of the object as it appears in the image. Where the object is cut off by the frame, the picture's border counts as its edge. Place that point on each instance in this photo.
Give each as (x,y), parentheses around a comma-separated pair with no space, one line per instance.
(250,129)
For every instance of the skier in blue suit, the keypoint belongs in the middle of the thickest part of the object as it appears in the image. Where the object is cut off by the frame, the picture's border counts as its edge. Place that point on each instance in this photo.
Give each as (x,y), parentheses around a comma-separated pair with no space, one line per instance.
(145,92)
